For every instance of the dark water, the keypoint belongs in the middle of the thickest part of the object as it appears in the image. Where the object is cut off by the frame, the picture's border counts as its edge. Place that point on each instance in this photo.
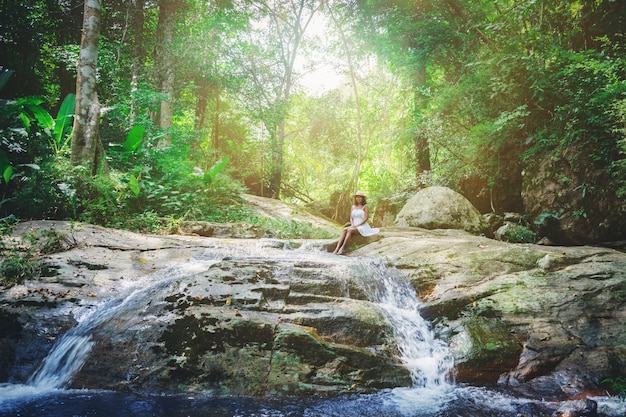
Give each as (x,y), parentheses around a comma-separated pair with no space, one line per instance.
(453,401)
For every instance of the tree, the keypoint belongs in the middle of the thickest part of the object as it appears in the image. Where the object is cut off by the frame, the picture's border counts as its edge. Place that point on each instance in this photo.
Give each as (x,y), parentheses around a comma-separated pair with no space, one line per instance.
(165,60)
(86,145)
(271,50)
(396,30)
(138,54)
(205,61)
(347,49)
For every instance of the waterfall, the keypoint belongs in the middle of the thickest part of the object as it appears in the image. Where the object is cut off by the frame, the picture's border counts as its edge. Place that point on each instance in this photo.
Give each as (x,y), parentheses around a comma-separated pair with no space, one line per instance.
(427,358)
(64,360)
(70,352)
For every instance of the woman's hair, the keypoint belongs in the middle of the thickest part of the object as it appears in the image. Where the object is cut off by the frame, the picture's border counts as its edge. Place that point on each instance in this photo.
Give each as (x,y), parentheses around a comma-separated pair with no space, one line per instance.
(363,199)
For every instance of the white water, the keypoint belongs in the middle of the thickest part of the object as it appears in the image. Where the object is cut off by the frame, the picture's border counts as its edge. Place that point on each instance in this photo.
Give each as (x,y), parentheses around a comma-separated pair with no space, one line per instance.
(427,358)
(69,353)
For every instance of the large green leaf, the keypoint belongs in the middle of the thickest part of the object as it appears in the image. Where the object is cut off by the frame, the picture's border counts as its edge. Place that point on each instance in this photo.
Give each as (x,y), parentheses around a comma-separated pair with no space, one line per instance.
(7,173)
(42,116)
(5,167)
(133,184)
(64,118)
(210,175)
(133,139)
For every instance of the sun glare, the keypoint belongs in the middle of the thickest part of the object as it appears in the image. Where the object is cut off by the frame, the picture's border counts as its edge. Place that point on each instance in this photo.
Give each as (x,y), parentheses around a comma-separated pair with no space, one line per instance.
(318,73)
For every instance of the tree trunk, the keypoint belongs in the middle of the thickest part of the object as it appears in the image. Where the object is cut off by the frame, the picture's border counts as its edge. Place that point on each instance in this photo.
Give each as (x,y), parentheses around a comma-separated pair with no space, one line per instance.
(422,149)
(276,174)
(347,50)
(86,146)
(164,63)
(216,121)
(138,55)
(291,32)
(203,98)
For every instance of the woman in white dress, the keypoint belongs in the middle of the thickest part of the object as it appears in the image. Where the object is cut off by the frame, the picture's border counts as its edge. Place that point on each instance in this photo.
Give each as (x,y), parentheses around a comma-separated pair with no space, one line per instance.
(358,222)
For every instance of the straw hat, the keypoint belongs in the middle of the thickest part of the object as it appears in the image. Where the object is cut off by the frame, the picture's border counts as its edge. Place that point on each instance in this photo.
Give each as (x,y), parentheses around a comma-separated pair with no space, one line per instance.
(361,193)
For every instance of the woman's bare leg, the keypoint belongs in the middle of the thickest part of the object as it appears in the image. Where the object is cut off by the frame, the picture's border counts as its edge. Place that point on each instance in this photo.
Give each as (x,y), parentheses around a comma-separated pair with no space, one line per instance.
(340,241)
(345,240)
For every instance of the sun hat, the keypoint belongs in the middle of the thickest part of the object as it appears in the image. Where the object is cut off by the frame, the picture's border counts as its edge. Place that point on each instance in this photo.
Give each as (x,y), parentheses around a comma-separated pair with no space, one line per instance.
(361,193)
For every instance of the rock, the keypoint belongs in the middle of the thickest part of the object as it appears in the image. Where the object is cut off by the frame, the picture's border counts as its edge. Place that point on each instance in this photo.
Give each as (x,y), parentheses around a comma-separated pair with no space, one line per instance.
(388,208)
(210,229)
(494,221)
(441,208)
(577,408)
(260,316)
(256,319)
(572,198)
(313,223)
(542,320)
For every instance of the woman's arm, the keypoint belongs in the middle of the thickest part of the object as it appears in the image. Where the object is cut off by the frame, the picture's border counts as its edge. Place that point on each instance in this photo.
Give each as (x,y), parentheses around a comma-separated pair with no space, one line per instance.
(351,218)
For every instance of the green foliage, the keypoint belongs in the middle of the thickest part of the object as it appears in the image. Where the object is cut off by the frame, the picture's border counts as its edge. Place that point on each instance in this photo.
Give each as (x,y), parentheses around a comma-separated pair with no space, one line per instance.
(618,385)
(519,234)
(286,229)
(22,123)
(22,260)
(619,170)
(7,224)
(17,267)
(583,90)
(484,83)
(134,138)
(56,130)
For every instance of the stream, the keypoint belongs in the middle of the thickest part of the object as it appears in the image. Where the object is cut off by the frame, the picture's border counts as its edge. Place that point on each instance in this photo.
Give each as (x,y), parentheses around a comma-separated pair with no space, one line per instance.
(432,394)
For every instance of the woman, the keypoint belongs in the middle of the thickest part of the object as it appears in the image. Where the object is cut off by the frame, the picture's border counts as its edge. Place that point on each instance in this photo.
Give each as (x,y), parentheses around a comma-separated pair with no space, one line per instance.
(358,222)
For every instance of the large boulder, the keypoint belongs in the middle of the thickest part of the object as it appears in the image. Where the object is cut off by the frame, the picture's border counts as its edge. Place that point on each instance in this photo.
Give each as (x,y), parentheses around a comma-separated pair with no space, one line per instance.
(388,208)
(229,316)
(572,199)
(441,208)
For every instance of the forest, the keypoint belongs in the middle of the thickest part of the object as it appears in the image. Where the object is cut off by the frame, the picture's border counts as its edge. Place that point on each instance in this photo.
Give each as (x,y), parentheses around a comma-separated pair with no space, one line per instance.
(140,113)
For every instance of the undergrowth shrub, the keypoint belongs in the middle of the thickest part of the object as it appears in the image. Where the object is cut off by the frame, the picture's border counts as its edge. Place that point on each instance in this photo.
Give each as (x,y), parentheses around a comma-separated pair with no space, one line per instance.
(22,259)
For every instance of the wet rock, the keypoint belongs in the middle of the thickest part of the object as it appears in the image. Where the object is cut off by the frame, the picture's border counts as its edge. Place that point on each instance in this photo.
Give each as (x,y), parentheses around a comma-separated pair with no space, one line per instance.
(544,321)
(260,316)
(577,408)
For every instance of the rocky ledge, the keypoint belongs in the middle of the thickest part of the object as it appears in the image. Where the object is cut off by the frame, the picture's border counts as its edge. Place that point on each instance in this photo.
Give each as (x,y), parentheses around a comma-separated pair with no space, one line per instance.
(260,316)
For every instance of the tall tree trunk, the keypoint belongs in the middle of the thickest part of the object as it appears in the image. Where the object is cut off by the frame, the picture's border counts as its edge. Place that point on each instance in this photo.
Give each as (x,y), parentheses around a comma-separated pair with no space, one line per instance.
(292,33)
(164,62)
(86,146)
(203,98)
(138,54)
(354,181)
(216,120)
(422,148)
(276,174)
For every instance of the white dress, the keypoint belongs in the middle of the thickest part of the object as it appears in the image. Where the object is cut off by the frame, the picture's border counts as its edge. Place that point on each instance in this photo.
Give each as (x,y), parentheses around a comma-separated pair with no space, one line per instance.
(358,215)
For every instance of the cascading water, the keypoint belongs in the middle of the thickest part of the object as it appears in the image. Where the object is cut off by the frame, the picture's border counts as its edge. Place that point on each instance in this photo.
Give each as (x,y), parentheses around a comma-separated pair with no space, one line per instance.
(426,357)
(65,359)
(69,353)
